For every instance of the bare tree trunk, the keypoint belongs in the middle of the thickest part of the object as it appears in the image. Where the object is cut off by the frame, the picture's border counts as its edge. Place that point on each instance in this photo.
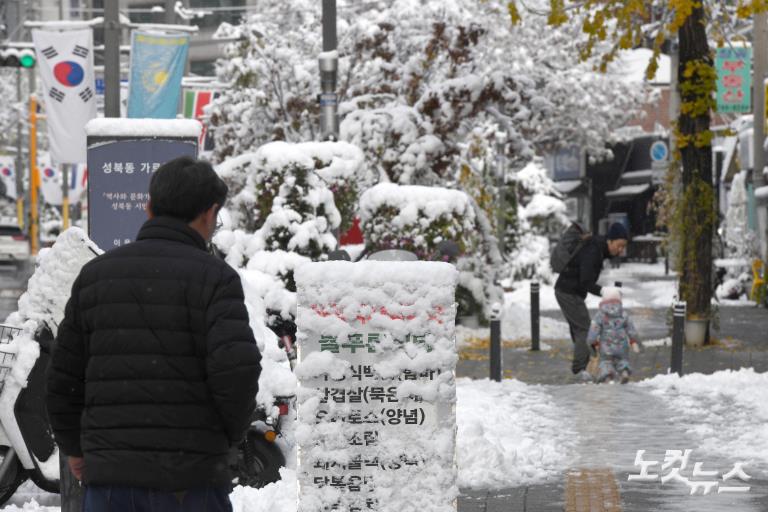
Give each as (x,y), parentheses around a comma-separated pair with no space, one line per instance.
(697,202)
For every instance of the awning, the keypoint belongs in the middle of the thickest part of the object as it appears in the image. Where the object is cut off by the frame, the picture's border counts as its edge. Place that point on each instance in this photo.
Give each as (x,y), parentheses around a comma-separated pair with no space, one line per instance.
(637,177)
(567,186)
(627,191)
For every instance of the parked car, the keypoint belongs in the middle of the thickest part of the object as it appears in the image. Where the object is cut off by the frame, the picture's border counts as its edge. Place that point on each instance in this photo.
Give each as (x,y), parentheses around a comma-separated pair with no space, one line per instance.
(14,245)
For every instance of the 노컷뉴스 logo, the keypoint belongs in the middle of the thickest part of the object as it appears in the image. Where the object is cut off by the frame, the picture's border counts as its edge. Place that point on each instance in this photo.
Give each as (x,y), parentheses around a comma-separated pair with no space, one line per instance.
(675,468)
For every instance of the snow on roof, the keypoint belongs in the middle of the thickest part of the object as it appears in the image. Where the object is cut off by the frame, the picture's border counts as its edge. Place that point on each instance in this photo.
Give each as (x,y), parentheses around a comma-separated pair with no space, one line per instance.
(410,199)
(630,66)
(127,127)
(628,190)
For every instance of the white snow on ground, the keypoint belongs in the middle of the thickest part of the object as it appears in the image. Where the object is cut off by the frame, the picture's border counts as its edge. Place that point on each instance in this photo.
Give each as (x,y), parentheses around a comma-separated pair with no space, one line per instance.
(509,434)
(727,410)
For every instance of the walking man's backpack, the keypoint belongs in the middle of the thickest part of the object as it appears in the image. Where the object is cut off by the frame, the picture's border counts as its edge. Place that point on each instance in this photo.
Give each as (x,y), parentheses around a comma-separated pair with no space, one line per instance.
(571,241)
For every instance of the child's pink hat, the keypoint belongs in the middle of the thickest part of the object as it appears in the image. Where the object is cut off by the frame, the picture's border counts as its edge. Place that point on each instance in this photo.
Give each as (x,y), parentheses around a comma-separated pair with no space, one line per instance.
(611,293)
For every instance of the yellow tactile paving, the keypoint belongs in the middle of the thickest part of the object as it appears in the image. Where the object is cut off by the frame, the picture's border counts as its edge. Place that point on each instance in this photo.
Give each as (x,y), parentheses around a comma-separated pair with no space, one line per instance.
(592,490)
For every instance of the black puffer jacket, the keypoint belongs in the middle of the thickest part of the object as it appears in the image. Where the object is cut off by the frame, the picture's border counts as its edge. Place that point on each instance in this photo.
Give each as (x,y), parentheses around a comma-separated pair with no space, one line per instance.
(581,275)
(155,369)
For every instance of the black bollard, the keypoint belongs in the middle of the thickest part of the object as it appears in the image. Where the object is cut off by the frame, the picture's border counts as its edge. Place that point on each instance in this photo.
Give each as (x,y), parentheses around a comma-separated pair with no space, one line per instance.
(535,316)
(678,337)
(496,343)
(496,350)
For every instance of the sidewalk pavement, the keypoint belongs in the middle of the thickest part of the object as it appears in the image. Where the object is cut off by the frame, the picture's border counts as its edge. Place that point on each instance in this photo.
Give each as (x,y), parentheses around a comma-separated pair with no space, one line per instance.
(614,421)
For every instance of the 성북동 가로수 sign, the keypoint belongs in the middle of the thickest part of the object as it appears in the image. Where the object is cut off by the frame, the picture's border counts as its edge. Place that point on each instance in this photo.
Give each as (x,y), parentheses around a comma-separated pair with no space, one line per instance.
(377,391)
(122,156)
(734,79)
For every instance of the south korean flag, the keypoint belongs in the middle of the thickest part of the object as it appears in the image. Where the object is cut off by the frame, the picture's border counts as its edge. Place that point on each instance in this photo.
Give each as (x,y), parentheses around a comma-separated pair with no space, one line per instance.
(65,63)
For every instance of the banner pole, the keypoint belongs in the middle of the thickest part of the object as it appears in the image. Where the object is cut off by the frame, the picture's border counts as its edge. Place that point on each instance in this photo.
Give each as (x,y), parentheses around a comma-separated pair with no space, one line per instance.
(64,196)
(34,178)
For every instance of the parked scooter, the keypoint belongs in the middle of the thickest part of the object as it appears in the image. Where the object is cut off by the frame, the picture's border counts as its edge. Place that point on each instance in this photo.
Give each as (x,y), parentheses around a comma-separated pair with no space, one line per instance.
(26,440)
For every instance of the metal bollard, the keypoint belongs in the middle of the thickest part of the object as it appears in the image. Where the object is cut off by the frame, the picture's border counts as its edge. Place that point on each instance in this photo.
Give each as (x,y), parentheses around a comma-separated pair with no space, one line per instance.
(496,343)
(535,316)
(678,337)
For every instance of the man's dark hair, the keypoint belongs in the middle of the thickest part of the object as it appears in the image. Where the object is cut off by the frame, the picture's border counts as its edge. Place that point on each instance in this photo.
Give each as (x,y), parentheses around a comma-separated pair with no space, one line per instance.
(184,188)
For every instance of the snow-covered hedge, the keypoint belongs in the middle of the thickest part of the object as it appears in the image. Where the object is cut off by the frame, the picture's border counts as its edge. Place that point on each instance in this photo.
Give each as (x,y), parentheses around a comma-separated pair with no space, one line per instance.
(415,218)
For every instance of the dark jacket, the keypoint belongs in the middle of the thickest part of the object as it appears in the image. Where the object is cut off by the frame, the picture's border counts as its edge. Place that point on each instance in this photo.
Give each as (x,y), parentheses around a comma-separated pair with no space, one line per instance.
(155,369)
(581,275)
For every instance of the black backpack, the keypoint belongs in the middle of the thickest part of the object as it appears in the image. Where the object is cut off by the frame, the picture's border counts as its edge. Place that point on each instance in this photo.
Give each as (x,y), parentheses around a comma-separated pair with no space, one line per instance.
(571,242)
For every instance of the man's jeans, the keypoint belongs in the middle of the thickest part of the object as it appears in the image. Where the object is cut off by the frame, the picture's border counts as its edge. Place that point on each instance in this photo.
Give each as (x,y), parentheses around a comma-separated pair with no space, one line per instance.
(115,498)
(575,311)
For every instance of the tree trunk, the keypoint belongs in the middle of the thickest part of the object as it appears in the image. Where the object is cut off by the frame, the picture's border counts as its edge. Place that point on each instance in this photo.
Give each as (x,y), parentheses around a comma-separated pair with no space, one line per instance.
(697,201)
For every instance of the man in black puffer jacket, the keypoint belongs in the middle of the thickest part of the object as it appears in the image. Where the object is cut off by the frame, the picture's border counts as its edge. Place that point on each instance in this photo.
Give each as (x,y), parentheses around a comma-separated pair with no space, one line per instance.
(155,369)
(579,278)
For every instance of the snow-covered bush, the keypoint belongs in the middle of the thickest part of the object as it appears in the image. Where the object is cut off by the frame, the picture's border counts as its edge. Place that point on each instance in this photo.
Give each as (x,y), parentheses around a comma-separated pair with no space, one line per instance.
(283,203)
(282,213)
(417,218)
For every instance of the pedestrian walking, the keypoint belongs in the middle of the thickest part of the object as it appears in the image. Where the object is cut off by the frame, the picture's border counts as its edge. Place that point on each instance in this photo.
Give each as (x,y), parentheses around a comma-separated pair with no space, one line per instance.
(578,278)
(155,369)
(612,333)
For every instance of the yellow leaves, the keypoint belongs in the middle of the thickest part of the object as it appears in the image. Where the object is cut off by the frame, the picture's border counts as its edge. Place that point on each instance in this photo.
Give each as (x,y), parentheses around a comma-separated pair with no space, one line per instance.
(557,14)
(746,9)
(682,9)
(514,14)
(697,86)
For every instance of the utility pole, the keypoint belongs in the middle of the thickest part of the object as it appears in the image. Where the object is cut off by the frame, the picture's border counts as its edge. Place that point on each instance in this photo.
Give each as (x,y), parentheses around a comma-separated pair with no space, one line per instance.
(329,65)
(760,52)
(111,59)
(170,11)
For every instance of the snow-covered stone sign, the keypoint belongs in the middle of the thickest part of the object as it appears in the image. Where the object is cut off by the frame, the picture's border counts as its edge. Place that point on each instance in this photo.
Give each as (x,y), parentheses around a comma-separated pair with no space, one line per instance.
(122,155)
(377,391)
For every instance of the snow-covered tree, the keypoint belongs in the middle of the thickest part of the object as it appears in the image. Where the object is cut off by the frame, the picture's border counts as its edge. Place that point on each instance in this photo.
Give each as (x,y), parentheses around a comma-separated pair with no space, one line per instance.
(416,78)
(541,217)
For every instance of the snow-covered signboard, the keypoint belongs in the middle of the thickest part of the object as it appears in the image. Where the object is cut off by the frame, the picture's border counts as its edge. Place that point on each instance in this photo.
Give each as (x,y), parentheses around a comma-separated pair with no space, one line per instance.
(377,393)
(122,155)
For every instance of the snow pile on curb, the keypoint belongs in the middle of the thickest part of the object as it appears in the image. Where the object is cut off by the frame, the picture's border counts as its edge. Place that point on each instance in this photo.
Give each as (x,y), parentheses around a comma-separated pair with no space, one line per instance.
(727,410)
(509,434)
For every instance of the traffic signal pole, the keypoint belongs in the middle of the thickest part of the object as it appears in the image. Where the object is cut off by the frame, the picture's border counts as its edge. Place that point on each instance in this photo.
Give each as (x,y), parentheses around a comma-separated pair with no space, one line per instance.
(19,160)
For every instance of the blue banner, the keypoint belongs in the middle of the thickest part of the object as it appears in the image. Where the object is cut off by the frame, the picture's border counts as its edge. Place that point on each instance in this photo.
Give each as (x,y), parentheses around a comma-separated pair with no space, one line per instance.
(157,66)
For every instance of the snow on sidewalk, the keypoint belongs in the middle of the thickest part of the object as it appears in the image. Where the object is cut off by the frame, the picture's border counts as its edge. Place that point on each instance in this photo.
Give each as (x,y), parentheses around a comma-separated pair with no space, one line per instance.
(513,434)
(727,411)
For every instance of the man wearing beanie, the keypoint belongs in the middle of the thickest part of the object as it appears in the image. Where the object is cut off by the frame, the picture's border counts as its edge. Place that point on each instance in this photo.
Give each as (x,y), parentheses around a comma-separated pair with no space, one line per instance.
(579,278)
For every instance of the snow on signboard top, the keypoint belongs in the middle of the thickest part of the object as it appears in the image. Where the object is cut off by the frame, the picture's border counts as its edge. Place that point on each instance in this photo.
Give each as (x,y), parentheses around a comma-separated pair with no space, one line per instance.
(125,127)
(377,397)
(410,199)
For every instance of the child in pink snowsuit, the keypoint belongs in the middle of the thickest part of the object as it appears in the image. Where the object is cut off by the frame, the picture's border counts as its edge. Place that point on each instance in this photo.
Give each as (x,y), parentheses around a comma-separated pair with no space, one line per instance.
(613,332)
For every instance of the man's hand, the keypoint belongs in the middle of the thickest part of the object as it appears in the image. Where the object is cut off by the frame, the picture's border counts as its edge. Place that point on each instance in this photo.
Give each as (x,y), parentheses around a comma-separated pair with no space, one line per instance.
(76,466)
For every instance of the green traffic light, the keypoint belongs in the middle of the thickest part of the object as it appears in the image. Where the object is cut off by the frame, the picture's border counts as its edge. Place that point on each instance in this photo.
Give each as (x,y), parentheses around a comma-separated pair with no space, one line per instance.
(27,61)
